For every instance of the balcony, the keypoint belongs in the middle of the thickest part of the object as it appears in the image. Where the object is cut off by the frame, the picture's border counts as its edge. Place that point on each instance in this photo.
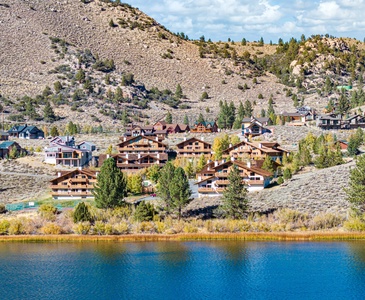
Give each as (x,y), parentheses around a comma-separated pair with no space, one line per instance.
(204,190)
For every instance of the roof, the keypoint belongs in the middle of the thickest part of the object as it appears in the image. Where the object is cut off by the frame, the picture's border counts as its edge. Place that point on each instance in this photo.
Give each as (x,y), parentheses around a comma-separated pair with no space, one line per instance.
(32,129)
(17,128)
(327,117)
(205,124)
(259,119)
(4,133)
(183,127)
(141,136)
(195,139)
(6,145)
(292,114)
(75,171)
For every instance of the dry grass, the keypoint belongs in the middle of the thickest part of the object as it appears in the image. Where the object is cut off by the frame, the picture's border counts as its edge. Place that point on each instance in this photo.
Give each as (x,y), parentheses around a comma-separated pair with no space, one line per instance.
(254,236)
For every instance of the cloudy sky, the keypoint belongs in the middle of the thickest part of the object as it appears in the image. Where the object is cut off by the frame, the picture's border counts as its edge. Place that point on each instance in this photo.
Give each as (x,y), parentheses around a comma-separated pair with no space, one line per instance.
(252,19)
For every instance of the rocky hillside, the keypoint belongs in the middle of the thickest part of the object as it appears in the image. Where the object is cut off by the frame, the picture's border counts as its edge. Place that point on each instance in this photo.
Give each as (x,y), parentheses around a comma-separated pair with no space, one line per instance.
(110,43)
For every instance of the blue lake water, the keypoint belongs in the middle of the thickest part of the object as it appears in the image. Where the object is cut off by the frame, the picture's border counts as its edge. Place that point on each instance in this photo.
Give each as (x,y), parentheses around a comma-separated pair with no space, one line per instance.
(183,270)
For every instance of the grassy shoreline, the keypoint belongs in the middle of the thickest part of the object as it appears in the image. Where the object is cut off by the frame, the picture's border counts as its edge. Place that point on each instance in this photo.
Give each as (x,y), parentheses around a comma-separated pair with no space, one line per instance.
(249,236)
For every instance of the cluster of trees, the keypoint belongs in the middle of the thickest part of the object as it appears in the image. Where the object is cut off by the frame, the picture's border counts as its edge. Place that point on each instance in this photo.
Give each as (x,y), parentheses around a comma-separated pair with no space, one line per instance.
(172,187)
(223,142)
(229,118)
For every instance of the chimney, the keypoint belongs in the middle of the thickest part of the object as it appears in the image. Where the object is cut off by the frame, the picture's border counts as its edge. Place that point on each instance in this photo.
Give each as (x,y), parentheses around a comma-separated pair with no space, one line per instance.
(202,138)
(59,174)
(260,145)
(185,139)
(124,139)
(107,156)
(127,156)
(158,155)
(245,139)
(139,155)
(223,161)
(232,158)
(209,161)
(249,164)
(216,162)
(96,174)
(156,138)
(230,145)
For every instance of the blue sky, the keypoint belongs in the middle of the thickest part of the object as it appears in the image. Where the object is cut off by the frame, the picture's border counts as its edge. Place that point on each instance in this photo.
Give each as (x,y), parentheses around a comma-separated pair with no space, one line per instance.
(252,19)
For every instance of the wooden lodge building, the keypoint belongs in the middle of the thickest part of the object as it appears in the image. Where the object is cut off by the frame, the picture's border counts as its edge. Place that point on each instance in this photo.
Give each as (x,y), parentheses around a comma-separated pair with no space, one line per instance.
(255,150)
(204,127)
(137,153)
(193,147)
(213,178)
(76,184)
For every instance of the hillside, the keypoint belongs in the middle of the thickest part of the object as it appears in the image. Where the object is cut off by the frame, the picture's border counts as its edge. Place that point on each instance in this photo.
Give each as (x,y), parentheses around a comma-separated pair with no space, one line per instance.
(54,40)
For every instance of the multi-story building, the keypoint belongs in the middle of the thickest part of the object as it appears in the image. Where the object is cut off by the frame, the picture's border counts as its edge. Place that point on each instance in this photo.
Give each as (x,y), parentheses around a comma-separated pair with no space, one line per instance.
(255,150)
(141,144)
(63,151)
(213,178)
(204,127)
(193,147)
(76,184)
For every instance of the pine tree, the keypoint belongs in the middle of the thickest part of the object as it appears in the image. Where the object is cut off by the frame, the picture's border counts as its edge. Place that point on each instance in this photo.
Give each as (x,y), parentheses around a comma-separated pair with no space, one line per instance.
(287,174)
(356,190)
(179,190)
(235,201)
(241,111)
(163,186)
(178,92)
(48,113)
(145,211)
(54,131)
(118,95)
(343,104)
(248,109)
(125,119)
(80,76)
(168,118)
(200,118)
(111,186)
(81,213)
(186,120)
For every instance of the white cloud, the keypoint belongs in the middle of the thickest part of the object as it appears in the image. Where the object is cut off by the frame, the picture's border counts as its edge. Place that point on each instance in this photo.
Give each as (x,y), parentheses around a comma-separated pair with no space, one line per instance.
(220,19)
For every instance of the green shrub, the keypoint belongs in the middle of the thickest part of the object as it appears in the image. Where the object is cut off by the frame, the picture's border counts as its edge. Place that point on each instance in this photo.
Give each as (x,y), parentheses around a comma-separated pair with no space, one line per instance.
(145,211)
(2,209)
(280,180)
(145,227)
(81,213)
(99,228)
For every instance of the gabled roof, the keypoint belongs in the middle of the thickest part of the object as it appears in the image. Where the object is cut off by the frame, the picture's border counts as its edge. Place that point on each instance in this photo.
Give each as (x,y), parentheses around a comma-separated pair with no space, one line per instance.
(6,145)
(205,123)
(32,129)
(193,139)
(293,114)
(183,127)
(143,137)
(241,165)
(259,119)
(17,128)
(75,172)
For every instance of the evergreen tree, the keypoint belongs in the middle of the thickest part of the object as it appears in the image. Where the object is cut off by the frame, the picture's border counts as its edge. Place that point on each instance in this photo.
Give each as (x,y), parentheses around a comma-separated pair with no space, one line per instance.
(80,76)
(186,120)
(54,131)
(200,118)
(343,104)
(57,86)
(353,145)
(168,118)
(125,119)
(287,174)
(48,113)
(240,111)
(235,202)
(81,213)
(248,109)
(356,190)
(111,186)
(145,211)
(180,190)
(263,113)
(118,95)
(178,92)
(163,186)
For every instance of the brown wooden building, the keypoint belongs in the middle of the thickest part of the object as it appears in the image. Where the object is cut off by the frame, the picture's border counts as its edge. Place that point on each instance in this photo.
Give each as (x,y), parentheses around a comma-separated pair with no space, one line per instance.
(204,127)
(141,144)
(76,184)
(193,147)
(213,178)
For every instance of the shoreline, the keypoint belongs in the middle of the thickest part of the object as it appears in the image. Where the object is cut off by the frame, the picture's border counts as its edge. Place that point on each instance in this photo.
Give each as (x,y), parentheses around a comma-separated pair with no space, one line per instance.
(247,236)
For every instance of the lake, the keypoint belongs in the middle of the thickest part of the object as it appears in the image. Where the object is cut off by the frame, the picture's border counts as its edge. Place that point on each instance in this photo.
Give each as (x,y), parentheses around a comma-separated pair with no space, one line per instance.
(183,270)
